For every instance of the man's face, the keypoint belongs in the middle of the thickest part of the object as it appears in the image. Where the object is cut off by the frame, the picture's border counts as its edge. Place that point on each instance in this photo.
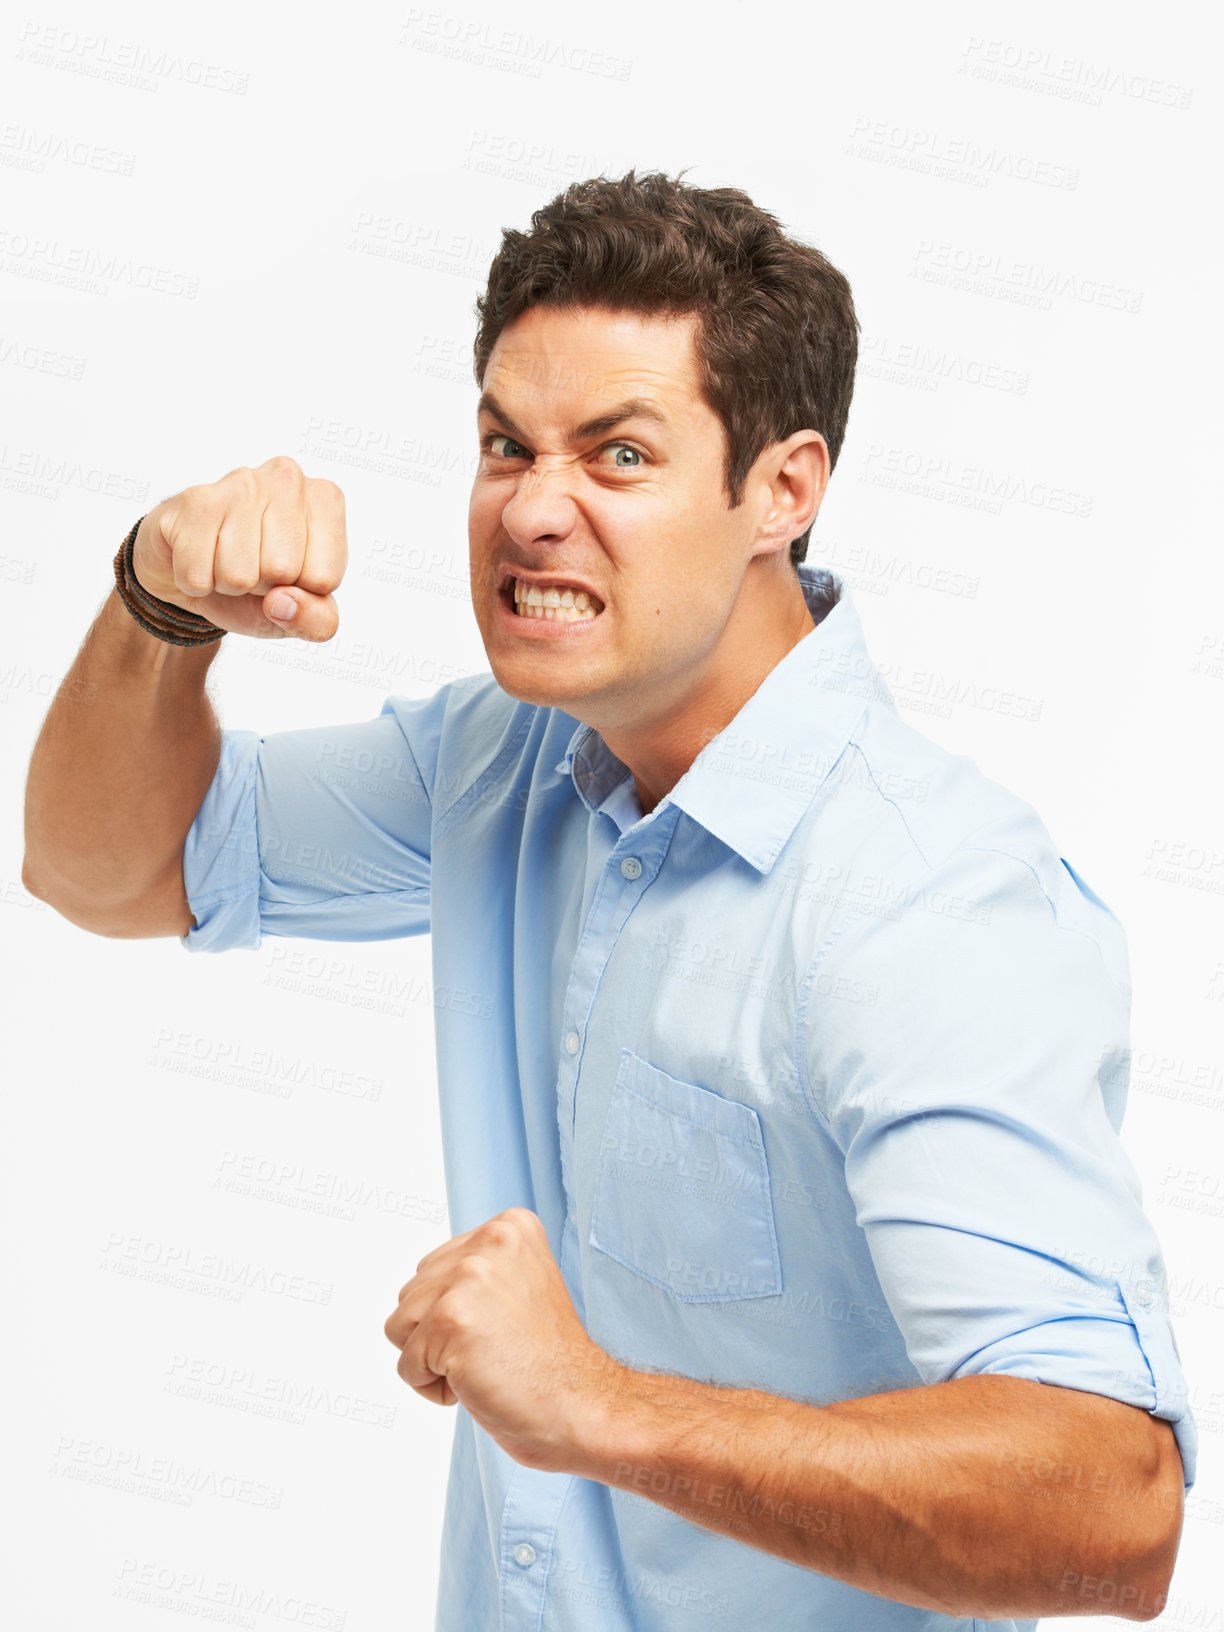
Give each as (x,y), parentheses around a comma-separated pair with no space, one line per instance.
(635,511)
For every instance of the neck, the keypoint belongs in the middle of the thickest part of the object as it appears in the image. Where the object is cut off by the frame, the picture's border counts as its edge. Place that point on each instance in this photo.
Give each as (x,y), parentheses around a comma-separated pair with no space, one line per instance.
(770,618)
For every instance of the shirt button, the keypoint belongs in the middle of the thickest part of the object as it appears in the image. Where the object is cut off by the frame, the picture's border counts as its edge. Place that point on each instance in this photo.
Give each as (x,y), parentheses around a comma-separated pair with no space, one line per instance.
(524,1554)
(572,1040)
(1143,1293)
(631,867)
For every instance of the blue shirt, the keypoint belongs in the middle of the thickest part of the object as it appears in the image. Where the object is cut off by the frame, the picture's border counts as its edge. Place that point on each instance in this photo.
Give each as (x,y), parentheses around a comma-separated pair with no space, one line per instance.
(814,1076)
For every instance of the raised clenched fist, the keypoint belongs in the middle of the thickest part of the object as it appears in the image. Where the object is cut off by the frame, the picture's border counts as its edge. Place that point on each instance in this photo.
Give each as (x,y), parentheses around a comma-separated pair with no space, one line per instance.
(227,550)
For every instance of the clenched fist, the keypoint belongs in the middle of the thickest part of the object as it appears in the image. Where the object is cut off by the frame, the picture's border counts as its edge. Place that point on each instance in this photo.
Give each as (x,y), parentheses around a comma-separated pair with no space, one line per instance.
(487,1322)
(232,551)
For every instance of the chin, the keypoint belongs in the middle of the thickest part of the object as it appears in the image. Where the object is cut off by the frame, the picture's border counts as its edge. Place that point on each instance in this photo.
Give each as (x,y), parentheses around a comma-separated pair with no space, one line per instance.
(542,691)
(517,685)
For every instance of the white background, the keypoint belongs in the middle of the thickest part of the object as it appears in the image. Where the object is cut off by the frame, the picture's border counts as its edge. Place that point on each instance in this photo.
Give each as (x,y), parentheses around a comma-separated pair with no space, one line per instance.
(236,232)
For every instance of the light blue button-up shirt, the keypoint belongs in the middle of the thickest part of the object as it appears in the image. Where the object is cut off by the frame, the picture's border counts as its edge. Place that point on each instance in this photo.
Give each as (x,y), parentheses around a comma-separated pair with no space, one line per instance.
(814,1076)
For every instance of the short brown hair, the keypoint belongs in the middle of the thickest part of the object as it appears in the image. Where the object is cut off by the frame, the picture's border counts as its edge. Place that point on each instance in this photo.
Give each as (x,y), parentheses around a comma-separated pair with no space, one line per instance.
(777,337)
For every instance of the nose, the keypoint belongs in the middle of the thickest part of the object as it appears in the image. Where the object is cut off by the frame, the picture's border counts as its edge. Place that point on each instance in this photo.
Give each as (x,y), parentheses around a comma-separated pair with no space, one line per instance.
(541,505)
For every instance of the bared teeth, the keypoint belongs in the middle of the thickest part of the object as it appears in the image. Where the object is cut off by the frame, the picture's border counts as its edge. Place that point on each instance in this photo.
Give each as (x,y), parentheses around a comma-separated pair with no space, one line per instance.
(555,601)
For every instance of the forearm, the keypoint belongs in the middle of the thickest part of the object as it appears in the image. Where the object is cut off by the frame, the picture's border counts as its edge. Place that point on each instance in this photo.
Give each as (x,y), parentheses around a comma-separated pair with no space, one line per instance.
(988,1496)
(120,767)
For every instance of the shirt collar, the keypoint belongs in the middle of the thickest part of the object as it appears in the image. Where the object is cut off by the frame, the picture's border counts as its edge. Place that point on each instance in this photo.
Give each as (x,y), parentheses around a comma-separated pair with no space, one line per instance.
(751,783)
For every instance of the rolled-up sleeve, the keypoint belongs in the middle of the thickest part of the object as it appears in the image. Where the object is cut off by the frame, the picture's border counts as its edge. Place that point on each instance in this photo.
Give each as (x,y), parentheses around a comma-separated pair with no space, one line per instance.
(322,832)
(978,1111)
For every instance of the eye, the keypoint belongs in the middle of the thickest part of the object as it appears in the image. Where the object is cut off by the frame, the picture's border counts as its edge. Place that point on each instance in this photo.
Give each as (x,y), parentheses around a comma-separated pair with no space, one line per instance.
(625,447)
(499,436)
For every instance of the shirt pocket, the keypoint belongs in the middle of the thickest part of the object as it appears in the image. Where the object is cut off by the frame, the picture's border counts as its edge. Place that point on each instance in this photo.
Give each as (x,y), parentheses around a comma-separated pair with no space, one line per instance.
(682,1193)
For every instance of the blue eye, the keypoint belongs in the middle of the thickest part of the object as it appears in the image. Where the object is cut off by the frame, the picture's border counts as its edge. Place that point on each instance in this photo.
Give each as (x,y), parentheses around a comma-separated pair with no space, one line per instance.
(626,447)
(498,436)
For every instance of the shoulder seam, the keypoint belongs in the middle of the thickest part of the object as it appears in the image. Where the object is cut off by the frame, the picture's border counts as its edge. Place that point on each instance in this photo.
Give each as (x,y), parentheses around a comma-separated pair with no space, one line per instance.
(861,752)
(1066,929)
(853,915)
(850,916)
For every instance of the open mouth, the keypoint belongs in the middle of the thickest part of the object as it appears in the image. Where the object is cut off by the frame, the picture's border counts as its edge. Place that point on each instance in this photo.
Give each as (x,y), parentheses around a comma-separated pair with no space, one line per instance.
(550,602)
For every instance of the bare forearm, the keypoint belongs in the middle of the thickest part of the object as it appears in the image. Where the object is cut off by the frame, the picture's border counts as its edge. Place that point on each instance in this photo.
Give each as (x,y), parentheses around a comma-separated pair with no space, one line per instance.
(123,760)
(989,1496)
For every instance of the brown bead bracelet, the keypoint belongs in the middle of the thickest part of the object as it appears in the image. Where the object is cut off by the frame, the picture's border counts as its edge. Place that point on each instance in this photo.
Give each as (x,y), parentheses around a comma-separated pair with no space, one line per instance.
(161,618)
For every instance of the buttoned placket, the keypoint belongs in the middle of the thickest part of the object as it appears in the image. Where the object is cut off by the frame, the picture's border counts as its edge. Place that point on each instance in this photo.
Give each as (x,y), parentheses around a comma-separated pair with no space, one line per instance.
(534,1499)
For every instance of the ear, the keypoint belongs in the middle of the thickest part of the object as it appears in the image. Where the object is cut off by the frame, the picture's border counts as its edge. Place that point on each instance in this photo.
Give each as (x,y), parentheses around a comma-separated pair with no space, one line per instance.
(791,477)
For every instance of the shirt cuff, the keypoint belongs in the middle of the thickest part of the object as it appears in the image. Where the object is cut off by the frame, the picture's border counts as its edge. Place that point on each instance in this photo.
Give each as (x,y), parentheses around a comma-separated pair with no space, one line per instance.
(1129,1354)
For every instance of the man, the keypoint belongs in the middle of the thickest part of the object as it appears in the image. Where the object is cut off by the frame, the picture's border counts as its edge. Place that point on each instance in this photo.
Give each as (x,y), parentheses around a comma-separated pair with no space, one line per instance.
(799,1276)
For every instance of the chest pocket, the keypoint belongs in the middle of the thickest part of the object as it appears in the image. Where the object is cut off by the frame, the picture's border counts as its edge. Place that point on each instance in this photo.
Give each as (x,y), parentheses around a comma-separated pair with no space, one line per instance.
(682,1188)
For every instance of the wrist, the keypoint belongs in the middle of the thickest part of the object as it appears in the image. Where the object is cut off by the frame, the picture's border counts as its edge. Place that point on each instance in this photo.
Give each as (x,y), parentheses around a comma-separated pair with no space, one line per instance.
(610,1421)
(136,649)
(162,619)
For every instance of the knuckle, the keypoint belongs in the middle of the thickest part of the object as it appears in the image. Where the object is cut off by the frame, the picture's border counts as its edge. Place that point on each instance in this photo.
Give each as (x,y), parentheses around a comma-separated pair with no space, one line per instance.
(451,1310)
(321,580)
(326,491)
(240,583)
(499,1231)
(239,486)
(275,567)
(197,500)
(283,468)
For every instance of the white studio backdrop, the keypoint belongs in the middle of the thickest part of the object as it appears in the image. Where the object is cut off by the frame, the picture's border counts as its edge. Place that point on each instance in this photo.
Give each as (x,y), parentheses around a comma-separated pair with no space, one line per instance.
(234,232)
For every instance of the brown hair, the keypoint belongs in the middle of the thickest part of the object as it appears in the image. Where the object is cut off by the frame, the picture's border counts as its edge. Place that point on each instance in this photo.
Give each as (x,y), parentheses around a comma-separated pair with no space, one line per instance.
(777,337)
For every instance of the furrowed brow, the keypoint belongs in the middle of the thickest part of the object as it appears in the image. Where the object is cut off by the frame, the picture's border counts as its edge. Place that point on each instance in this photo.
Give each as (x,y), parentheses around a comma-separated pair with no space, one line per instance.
(631,408)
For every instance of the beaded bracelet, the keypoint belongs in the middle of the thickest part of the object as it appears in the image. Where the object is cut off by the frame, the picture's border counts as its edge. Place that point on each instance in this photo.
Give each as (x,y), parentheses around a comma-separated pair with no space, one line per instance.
(161,618)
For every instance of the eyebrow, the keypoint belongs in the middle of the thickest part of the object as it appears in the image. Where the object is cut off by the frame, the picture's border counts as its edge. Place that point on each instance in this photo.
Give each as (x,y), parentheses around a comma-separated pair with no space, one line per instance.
(631,408)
